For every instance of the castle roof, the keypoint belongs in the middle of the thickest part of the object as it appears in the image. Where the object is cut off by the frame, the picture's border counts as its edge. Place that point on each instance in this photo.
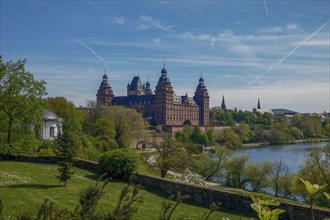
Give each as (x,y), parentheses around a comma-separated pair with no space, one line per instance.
(182,99)
(136,84)
(133,99)
(164,77)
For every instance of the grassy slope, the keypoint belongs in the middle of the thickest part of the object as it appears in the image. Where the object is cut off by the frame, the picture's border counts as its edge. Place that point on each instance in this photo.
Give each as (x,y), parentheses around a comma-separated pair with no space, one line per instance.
(24,186)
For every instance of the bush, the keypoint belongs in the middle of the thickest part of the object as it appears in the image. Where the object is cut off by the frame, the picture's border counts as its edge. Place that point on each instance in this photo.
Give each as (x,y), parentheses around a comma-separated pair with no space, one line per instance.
(120,163)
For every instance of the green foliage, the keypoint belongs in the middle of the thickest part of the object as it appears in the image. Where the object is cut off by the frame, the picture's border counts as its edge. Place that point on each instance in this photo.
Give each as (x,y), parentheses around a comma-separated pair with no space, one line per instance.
(120,163)
(172,154)
(198,137)
(258,175)
(224,117)
(65,151)
(72,118)
(125,207)
(104,128)
(209,167)
(37,181)
(263,211)
(1,210)
(169,207)
(281,179)
(21,104)
(181,136)
(313,190)
(230,139)
(316,169)
(309,125)
(243,131)
(327,130)
(128,123)
(213,208)
(236,174)
(88,199)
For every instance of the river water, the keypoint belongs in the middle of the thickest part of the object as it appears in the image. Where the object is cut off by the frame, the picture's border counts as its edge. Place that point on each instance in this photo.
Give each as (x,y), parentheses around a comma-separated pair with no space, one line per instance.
(293,154)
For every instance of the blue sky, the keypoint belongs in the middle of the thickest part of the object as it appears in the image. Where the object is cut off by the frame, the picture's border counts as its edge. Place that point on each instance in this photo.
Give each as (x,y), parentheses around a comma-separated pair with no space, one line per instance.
(275,50)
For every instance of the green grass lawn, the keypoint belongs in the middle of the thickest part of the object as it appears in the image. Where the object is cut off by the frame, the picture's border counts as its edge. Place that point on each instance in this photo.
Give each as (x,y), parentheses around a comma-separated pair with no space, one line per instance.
(24,186)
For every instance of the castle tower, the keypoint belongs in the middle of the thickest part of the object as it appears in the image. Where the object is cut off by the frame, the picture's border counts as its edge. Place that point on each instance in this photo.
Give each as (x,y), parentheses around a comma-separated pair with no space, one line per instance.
(202,99)
(148,90)
(223,104)
(258,107)
(164,99)
(104,94)
(136,87)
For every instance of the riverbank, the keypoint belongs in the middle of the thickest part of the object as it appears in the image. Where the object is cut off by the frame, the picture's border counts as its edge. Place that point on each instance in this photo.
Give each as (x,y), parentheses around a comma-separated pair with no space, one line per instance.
(263,144)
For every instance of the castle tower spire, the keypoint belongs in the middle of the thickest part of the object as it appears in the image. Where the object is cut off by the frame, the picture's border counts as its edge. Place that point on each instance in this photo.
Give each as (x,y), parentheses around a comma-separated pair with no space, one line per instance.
(223,104)
(104,93)
(258,107)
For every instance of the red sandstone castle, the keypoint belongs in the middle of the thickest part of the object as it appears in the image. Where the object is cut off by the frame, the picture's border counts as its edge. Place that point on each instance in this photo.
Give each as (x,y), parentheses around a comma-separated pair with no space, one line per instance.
(163,106)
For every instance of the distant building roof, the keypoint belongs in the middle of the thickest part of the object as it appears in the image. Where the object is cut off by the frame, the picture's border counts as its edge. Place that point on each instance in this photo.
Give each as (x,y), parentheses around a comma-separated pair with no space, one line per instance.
(49,115)
(282,111)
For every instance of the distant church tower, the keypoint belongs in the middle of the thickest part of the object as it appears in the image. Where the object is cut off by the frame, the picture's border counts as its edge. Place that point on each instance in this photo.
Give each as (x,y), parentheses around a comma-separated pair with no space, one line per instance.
(104,93)
(223,104)
(202,99)
(258,107)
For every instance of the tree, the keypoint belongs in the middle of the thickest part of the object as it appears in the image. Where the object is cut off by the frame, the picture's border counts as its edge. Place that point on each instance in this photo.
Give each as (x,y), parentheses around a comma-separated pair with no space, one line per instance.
(258,175)
(21,96)
(125,208)
(236,172)
(327,130)
(65,152)
(210,167)
(88,199)
(120,163)
(317,170)
(278,175)
(243,131)
(104,128)
(171,154)
(128,123)
(230,139)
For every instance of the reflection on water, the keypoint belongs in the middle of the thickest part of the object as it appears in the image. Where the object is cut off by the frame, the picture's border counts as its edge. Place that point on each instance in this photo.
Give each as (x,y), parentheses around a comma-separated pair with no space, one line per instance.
(293,155)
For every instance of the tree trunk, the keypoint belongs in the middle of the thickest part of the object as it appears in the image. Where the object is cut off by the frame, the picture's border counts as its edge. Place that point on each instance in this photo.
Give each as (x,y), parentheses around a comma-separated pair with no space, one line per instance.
(10,124)
(163,173)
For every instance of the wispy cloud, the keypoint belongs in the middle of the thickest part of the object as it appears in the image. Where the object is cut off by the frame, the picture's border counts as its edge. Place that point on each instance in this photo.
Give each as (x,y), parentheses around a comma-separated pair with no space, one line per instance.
(288,54)
(291,27)
(177,10)
(325,43)
(147,22)
(266,7)
(92,51)
(118,20)
(212,42)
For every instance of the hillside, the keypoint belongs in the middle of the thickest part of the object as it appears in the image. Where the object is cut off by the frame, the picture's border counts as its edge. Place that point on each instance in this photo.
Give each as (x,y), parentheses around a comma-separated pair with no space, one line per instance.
(24,186)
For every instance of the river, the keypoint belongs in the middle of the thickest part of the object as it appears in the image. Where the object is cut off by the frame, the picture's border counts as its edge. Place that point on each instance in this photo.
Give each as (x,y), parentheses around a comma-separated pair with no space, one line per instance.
(293,154)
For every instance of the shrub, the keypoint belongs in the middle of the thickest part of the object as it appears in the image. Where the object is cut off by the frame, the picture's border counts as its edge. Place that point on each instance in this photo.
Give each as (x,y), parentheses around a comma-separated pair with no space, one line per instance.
(120,163)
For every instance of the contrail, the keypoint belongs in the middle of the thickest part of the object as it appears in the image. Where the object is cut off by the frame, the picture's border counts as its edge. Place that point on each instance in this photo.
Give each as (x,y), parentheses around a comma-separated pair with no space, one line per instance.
(286,56)
(93,52)
(266,7)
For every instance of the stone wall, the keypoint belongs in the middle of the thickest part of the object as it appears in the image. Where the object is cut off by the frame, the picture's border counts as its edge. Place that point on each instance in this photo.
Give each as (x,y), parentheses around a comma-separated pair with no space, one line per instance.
(204,196)
(231,201)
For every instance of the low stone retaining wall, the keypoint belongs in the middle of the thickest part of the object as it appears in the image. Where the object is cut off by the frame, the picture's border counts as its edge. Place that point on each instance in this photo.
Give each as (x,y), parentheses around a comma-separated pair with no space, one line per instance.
(203,196)
(231,201)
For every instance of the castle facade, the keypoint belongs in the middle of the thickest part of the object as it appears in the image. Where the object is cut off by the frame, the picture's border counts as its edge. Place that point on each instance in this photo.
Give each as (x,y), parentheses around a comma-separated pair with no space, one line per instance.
(163,105)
